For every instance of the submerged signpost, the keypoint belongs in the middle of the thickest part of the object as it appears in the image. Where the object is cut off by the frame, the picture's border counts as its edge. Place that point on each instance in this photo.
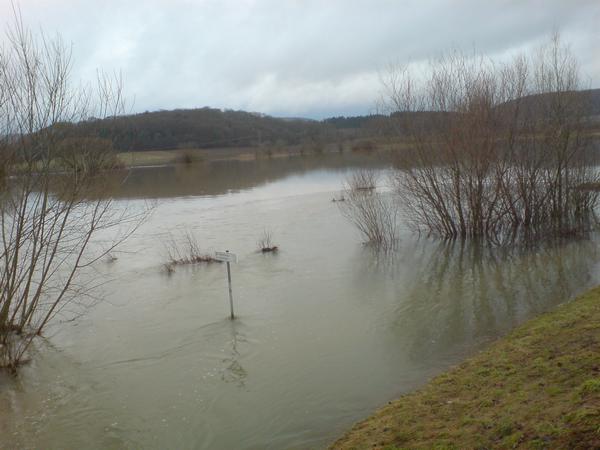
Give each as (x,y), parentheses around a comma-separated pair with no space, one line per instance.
(228,258)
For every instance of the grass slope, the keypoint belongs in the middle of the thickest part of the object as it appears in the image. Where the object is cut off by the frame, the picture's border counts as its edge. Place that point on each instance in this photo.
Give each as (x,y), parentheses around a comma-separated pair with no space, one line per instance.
(539,387)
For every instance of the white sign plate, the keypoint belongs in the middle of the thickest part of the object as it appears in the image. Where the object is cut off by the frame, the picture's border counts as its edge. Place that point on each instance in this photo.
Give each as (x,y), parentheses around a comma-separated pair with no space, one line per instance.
(226,257)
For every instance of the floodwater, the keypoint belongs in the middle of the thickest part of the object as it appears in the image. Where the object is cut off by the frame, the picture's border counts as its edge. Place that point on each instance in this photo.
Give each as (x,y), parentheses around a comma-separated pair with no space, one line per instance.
(326,331)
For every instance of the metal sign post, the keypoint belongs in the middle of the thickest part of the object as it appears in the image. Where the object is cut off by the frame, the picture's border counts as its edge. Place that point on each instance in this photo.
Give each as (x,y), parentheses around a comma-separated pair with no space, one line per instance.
(228,258)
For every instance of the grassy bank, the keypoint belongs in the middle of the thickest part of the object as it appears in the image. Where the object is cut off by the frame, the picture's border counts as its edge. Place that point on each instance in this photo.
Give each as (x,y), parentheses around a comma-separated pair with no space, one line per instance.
(189,155)
(196,155)
(539,387)
(178,156)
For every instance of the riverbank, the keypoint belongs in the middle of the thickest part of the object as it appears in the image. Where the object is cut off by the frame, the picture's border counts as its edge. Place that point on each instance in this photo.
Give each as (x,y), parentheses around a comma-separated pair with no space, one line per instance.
(539,387)
(369,147)
(198,155)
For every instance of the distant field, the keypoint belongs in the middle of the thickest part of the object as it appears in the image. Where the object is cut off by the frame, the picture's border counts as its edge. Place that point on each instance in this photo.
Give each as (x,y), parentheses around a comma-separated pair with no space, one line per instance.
(165,157)
(191,155)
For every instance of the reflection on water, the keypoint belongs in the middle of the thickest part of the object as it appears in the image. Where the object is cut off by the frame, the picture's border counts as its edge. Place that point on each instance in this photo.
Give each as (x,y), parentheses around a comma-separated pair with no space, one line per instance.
(221,177)
(327,329)
(232,371)
(465,293)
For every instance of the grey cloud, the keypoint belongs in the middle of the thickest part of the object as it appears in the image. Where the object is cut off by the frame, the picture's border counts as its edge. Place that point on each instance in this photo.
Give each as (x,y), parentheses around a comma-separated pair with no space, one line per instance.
(296,57)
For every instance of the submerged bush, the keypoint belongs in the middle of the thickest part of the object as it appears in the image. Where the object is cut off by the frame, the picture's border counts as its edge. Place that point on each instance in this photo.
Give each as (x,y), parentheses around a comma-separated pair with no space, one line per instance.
(374,214)
(185,250)
(265,243)
(188,157)
(495,150)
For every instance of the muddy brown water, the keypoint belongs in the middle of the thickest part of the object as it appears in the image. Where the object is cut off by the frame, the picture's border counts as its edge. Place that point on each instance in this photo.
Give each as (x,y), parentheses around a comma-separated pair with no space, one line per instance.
(327,329)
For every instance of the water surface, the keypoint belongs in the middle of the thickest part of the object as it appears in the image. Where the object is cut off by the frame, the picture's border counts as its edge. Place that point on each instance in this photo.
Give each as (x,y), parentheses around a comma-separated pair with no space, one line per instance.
(327,329)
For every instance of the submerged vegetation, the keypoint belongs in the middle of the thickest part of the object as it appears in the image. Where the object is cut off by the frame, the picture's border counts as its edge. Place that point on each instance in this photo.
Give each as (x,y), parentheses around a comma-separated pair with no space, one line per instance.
(486,161)
(188,157)
(493,151)
(374,214)
(537,388)
(184,251)
(265,242)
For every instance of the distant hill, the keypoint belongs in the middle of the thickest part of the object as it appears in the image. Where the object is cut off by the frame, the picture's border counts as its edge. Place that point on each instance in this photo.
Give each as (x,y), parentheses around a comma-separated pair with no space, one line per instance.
(216,128)
(589,99)
(199,128)
(594,101)
(537,106)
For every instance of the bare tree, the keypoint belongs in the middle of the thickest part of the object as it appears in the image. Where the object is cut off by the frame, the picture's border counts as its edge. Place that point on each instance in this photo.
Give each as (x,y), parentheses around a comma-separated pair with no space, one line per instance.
(51,234)
(493,150)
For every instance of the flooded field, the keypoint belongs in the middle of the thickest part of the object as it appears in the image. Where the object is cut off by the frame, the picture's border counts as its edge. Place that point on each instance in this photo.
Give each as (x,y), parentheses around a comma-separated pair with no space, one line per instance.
(326,331)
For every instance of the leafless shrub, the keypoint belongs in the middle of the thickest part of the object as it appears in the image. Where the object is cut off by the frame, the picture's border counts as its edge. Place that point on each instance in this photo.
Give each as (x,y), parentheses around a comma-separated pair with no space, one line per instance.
(50,234)
(364,146)
(265,242)
(188,157)
(362,180)
(169,268)
(374,214)
(86,155)
(185,250)
(495,150)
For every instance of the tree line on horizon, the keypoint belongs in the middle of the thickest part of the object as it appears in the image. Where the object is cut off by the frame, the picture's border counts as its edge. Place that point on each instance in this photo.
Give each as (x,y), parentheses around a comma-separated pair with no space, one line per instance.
(215,128)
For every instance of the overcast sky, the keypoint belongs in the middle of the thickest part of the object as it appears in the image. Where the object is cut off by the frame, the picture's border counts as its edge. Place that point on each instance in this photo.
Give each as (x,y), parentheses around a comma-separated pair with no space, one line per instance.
(310,58)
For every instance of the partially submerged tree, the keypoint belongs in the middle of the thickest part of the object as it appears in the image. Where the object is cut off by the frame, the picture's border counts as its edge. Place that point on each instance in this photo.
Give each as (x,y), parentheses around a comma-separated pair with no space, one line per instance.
(51,234)
(494,150)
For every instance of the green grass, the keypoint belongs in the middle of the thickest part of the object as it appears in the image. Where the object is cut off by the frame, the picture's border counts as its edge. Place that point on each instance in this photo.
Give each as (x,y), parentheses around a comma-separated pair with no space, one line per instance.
(539,387)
